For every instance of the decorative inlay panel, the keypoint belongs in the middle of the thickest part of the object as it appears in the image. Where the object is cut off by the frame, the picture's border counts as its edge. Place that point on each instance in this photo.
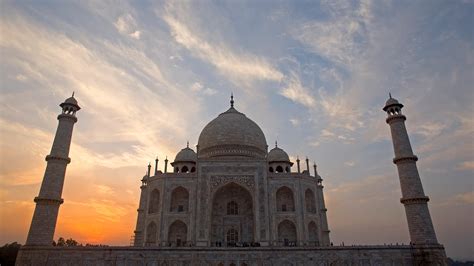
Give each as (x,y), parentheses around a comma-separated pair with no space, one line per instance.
(244,180)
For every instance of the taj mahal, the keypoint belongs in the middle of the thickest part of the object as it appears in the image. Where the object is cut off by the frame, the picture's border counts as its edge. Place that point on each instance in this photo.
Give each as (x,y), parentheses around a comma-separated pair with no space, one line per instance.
(232,202)
(241,195)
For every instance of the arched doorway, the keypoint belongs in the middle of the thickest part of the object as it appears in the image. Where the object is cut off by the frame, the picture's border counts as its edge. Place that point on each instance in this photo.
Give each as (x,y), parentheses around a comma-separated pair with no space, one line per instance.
(313,234)
(151,231)
(232,215)
(287,233)
(177,233)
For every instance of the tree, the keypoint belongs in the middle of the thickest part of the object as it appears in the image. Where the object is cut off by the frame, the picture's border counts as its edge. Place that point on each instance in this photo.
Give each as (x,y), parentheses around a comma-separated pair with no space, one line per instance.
(71,243)
(8,253)
(61,242)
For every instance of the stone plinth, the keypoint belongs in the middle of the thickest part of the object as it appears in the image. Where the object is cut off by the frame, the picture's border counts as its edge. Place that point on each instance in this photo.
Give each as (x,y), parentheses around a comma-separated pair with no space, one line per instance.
(348,255)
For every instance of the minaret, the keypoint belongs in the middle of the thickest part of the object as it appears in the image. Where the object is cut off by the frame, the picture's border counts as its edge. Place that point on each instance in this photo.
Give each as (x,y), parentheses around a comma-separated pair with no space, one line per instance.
(140,227)
(413,198)
(307,165)
(45,216)
(298,164)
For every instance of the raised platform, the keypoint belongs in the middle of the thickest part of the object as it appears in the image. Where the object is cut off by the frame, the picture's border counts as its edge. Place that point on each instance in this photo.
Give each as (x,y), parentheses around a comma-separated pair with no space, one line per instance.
(261,256)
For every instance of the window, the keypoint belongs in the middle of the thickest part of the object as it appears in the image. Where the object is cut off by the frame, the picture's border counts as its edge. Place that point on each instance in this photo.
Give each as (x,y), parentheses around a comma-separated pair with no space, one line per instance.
(279,169)
(180,208)
(232,236)
(283,208)
(232,208)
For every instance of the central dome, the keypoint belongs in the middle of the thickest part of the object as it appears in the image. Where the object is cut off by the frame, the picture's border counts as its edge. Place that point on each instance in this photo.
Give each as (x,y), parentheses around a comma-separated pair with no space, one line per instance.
(232,134)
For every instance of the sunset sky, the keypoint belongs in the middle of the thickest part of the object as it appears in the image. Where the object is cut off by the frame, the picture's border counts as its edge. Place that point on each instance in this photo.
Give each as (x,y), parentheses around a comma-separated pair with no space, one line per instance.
(149,75)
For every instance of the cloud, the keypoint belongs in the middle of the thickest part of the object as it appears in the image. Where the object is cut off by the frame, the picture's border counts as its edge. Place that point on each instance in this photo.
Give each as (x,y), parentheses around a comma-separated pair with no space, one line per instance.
(21,77)
(430,129)
(127,25)
(466,198)
(295,91)
(469,165)
(103,85)
(327,134)
(350,163)
(241,68)
(198,87)
(340,38)
(295,121)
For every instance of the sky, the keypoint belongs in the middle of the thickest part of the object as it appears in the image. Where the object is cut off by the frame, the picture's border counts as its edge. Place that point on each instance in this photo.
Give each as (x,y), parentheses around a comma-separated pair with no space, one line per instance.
(314,75)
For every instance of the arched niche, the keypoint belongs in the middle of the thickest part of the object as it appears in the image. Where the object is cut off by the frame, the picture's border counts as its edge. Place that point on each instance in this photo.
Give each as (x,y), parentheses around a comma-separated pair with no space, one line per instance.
(309,200)
(284,200)
(154,202)
(179,200)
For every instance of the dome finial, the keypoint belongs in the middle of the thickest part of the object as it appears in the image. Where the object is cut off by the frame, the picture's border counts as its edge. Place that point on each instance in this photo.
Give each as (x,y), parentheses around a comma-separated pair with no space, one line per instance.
(187,144)
(73,94)
(390,95)
(231,100)
(276,144)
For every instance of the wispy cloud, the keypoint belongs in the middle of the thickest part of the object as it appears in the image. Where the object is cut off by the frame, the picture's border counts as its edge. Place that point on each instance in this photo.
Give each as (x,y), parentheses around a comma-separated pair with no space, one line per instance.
(127,25)
(239,67)
(295,91)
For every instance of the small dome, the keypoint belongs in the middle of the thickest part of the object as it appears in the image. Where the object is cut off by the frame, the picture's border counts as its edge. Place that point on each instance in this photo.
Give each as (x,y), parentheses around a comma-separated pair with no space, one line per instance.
(278,155)
(186,155)
(392,102)
(71,100)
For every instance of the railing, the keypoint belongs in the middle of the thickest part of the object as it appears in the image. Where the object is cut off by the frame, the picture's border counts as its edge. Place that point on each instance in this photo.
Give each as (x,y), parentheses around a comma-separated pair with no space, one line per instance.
(234,244)
(239,244)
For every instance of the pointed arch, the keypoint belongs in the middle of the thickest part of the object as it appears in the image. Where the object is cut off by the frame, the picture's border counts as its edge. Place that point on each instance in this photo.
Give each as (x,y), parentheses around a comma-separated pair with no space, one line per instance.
(285,200)
(179,200)
(154,203)
(287,232)
(184,169)
(151,231)
(313,234)
(310,201)
(279,169)
(178,233)
(222,221)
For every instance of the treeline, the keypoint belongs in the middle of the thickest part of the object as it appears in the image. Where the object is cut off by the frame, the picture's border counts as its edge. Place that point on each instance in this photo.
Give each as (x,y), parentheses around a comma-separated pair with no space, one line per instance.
(73,243)
(9,251)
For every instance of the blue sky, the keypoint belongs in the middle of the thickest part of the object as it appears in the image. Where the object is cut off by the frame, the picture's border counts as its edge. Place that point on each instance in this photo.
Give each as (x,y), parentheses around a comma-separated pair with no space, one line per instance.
(314,75)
